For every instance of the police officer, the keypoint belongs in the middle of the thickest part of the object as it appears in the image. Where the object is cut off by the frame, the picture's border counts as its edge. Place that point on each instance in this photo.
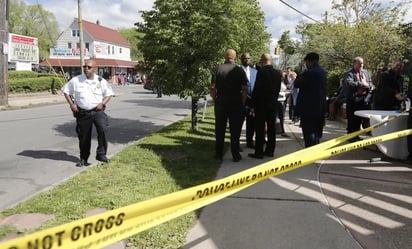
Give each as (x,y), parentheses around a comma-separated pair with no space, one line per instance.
(87,95)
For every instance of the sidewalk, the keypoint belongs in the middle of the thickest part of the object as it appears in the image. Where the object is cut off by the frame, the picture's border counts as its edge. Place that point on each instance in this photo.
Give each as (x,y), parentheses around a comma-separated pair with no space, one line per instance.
(33,99)
(342,202)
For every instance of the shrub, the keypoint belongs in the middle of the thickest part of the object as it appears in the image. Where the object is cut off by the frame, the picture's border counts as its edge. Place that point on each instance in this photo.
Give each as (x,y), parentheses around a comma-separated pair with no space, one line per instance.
(334,78)
(28,85)
(22,74)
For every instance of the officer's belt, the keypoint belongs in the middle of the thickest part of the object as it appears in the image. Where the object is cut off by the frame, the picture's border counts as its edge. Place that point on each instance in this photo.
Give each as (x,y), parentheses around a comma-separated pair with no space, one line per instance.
(84,111)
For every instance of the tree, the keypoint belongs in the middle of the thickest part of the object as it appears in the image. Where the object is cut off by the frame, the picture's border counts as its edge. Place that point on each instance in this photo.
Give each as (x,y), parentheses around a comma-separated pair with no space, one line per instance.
(359,28)
(184,40)
(35,21)
(133,38)
(288,47)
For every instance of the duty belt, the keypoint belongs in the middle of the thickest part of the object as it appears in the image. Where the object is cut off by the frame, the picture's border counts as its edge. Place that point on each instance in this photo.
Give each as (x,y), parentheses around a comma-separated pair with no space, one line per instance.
(84,111)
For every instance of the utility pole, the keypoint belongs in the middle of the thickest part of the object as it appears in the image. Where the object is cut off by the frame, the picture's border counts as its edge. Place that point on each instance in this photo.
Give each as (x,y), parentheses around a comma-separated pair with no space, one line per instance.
(79,10)
(4,39)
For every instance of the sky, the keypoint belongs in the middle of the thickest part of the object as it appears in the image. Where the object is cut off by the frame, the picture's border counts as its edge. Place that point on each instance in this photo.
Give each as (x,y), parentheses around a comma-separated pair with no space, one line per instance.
(124,13)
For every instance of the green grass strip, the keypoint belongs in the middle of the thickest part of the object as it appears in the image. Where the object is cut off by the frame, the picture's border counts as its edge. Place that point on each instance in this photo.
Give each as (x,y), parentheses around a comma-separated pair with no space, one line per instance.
(172,159)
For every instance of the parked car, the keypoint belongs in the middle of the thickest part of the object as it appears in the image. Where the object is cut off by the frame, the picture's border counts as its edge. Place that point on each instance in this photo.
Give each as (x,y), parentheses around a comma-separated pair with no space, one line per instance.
(148,85)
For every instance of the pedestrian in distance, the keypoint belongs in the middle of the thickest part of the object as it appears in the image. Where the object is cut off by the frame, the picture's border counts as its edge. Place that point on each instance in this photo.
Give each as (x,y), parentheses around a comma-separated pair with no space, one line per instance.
(264,105)
(311,101)
(357,86)
(281,106)
(250,120)
(229,92)
(88,95)
(294,92)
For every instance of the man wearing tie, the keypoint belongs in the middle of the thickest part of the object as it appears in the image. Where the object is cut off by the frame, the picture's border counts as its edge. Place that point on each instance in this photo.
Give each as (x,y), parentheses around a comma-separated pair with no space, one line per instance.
(357,84)
(251,76)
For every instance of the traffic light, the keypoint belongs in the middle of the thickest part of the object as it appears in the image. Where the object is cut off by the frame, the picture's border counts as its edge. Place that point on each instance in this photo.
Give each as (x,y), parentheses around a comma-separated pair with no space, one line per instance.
(278,50)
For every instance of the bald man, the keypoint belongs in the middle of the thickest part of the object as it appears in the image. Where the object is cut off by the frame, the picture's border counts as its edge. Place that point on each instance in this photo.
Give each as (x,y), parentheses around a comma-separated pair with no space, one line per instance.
(229,92)
(264,106)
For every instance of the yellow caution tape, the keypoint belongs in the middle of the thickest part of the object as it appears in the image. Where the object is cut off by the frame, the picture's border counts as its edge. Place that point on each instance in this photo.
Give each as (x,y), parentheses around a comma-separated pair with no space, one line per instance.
(106,228)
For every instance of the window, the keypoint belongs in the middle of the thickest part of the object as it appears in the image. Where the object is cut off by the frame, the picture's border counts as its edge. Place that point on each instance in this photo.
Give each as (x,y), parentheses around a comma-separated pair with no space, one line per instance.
(75,32)
(112,49)
(78,45)
(87,46)
(120,50)
(69,45)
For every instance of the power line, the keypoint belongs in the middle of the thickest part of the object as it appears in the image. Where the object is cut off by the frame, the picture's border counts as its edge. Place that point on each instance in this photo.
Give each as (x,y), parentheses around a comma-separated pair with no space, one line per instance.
(300,12)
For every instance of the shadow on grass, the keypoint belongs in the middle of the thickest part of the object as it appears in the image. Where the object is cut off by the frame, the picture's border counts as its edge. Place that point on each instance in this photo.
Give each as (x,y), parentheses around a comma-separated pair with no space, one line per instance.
(190,157)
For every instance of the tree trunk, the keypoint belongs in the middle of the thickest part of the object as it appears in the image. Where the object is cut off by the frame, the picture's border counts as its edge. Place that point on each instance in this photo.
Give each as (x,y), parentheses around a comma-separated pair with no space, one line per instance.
(195,101)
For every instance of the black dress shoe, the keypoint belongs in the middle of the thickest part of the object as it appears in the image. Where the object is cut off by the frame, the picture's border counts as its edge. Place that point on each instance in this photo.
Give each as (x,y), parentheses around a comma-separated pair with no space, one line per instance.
(250,145)
(253,155)
(268,154)
(237,159)
(218,158)
(82,162)
(354,139)
(102,158)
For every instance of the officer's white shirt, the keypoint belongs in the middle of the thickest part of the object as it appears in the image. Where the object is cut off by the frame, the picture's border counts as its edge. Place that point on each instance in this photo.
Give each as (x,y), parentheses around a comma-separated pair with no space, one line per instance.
(87,93)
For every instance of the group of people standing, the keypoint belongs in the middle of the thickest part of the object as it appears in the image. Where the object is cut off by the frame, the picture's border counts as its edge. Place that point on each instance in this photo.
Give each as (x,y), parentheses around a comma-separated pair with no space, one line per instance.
(255,94)
(252,93)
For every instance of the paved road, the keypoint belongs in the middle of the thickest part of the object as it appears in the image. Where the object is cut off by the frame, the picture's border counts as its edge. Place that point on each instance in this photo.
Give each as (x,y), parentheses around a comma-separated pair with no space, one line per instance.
(39,145)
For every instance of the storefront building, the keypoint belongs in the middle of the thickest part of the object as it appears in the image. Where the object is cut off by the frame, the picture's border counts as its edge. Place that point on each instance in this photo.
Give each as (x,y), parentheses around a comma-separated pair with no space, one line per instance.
(104,45)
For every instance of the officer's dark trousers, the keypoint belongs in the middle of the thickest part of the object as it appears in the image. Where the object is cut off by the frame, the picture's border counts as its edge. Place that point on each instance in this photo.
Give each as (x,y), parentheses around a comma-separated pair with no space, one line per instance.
(250,127)
(228,109)
(84,128)
(312,129)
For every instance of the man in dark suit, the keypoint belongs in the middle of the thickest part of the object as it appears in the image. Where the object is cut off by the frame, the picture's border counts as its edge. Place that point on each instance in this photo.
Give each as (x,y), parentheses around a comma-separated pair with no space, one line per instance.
(264,104)
(311,102)
(388,94)
(229,92)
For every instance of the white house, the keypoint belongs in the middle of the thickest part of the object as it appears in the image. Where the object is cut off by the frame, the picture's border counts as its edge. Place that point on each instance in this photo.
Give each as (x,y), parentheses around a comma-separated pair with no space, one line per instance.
(104,45)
